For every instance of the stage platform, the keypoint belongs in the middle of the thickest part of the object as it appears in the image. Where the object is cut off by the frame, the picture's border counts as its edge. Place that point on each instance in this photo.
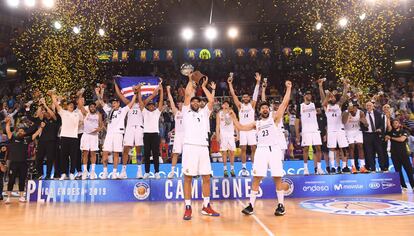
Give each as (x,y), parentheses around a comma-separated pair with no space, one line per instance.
(135,190)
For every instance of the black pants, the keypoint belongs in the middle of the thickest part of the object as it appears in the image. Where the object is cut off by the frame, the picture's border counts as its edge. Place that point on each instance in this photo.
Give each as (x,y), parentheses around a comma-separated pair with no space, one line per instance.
(373,145)
(58,159)
(69,149)
(400,159)
(79,156)
(48,149)
(1,184)
(151,144)
(386,161)
(17,169)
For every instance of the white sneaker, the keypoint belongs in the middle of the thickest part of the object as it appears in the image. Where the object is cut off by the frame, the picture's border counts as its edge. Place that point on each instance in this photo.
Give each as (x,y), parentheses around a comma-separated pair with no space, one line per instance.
(85,175)
(114,175)
(404,190)
(245,172)
(79,175)
(104,175)
(139,175)
(92,175)
(171,175)
(319,171)
(305,171)
(146,176)
(71,176)
(63,177)
(22,199)
(123,175)
(7,201)
(157,176)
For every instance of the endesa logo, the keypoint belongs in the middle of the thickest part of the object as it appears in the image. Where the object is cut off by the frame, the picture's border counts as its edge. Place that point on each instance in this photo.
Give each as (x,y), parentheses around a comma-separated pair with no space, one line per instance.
(316,188)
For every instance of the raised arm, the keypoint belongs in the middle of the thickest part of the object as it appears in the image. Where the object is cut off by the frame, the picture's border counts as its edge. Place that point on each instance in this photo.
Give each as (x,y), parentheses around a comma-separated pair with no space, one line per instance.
(119,94)
(39,130)
(281,110)
(239,126)
(171,100)
(258,78)
(209,96)
(218,127)
(55,102)
(321,92)
(99,91)
(161,98)
(326,100)
(263,97)
(8,130)
(52,113)
(189,91)
(345,117)
(148,99)
(134,98)
(344,96)
(233,94)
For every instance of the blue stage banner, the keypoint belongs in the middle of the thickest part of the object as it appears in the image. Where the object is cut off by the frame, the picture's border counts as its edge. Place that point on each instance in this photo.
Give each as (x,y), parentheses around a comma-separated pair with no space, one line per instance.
(134,190)
(126,83)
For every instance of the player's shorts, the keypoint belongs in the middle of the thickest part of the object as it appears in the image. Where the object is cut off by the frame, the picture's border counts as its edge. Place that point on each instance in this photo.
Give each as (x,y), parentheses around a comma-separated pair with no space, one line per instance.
(89,142)
(178,143)
(113,142)
(268,157)
(337,139)
(227,142)
(354,137)
(195,160)
(134,136)
(311,139)
(248,138)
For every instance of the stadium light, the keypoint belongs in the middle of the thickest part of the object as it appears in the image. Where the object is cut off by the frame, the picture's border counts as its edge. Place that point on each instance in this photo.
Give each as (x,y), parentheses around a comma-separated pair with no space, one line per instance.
(101,32)
(362,16)
(57,25)
(318,26)
(187,34)
(343,22)
(403,62)
(233,32)
(48,3)
(211,33)
(76,29)
(29,3)
(13,3)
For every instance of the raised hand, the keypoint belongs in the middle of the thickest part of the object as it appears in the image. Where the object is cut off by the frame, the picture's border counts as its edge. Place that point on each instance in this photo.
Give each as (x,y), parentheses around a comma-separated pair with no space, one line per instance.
(213,85)
(43,124)
(258,77)
(320,81)
(168,88)
(288,84)
(205,81)
(230,80)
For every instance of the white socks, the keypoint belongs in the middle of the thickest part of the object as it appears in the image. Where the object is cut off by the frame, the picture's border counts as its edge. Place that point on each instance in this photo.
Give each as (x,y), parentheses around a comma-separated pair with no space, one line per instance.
(93,167)
(187,202)
(225,167)
(280,196)
(352,162)
(206,201)
(331,155)
(344,164)
(319,165)
(361,162)
(305,165)
(244,165)
(124,168)
(253,195)
(172,168)
(85,167)
(105,169)
(231,167)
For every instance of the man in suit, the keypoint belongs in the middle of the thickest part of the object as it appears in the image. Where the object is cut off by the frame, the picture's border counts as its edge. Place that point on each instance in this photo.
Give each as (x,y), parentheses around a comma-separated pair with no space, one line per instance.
(373,139)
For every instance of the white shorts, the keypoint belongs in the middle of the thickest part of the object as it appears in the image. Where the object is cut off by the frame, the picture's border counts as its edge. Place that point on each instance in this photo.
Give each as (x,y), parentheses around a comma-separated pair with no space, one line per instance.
(89,142)
(354,137)
(248,138)
(178,143)
(311,139)
(337,139)
(134,136)
(227,142)
(268,157)
(113,143)
(195,160)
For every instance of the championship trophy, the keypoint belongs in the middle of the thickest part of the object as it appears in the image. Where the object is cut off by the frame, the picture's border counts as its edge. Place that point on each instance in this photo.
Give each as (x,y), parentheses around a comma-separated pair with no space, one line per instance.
(187,69)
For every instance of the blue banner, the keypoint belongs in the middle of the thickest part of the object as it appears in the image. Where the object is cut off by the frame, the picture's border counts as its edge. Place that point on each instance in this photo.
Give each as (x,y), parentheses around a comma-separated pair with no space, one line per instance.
(133,190)
(125,84)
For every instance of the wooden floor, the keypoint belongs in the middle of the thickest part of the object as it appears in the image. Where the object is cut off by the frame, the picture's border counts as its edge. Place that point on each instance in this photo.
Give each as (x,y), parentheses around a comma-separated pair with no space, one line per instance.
(165,218)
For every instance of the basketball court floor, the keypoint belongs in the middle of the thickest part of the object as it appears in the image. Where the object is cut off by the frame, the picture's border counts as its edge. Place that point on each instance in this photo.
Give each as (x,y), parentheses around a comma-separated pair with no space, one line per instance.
(165,218)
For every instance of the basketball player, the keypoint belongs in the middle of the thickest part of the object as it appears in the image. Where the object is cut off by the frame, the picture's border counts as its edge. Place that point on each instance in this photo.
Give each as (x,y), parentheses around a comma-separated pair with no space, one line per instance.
(335,126)
(225,136)
(92,125)
(178,133)
(115,130)
(352,118)
(269,155)
(246,115)
(196,158)
(134,132)
(306,118)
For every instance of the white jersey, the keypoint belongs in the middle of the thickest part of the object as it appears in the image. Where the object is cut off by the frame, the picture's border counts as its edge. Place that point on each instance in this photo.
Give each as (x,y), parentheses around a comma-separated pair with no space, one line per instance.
(334,118)
(135,117)
(353,122)
(116,119)
(226,123)
(90,123)
(281,138)
(266,132)
(246,114)
(308,118)
(179,125)
(195,126)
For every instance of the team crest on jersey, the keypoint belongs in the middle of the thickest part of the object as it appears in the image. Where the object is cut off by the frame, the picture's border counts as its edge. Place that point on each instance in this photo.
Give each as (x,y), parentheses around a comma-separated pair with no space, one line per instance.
(360,206)
(141,191)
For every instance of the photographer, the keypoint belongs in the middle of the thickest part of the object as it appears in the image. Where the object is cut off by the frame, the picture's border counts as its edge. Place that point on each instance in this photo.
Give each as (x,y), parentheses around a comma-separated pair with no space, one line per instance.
(399,152)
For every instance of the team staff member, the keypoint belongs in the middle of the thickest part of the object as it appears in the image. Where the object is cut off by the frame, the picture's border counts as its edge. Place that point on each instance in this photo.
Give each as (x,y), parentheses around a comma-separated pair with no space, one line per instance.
(17,155)
(399,153)
(151,116)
